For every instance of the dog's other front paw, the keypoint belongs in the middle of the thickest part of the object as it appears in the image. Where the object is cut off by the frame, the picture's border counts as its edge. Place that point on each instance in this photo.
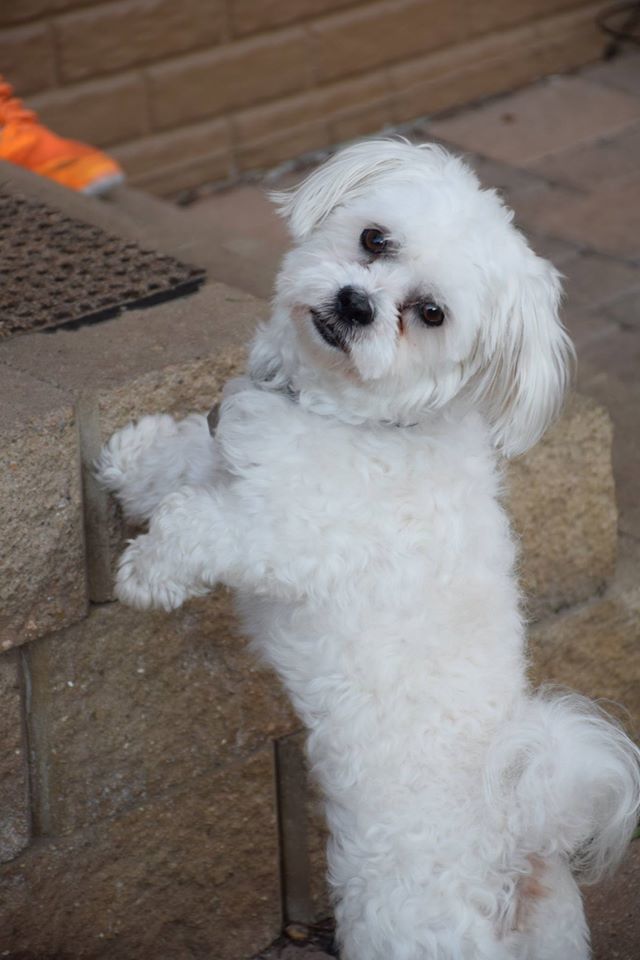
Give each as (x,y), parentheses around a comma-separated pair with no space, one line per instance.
(141,581)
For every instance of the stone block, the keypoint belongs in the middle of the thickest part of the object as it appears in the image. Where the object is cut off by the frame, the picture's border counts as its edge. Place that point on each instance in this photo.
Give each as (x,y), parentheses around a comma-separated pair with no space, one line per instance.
(110,37)
(42,576)
(234,76)
(191,874)
(178,390)
(25,10)
(127,705)
(349,42)
(27,57)
(587,166)
(493,63)
(14,779)
(562,502)
(101,112)
(592,280)
(173,161)
(530,124)
(608,217)
(252,16)
(594,649)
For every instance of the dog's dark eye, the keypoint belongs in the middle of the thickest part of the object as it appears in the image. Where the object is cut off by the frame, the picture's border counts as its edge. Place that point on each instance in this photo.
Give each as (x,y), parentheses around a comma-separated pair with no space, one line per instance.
(373,241)
(431,313)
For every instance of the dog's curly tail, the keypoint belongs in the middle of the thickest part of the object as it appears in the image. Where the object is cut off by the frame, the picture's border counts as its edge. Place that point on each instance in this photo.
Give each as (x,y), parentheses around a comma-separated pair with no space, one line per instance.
(565,780)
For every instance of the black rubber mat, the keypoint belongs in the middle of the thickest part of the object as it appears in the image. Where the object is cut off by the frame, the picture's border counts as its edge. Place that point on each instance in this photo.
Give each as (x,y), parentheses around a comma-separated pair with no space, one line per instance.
(56,271)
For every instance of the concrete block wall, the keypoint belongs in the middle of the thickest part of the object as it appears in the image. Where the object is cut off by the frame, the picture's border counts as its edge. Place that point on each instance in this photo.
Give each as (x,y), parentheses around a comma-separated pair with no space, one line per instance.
(153,798)
(206,90)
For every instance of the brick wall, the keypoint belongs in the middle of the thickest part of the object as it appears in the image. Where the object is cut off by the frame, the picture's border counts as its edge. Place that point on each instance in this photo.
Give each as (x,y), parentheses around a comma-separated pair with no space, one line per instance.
(205,90)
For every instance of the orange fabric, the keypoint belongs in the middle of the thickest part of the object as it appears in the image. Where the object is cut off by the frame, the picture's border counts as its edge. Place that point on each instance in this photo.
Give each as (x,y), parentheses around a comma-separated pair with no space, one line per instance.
(27,143)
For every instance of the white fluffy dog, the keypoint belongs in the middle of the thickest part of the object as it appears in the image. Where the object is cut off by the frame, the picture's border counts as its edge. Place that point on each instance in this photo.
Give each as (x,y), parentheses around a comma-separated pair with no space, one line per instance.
(351,496)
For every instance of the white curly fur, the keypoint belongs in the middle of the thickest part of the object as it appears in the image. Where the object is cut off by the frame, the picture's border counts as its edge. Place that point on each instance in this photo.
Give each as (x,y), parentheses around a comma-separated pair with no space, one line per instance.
(352,498)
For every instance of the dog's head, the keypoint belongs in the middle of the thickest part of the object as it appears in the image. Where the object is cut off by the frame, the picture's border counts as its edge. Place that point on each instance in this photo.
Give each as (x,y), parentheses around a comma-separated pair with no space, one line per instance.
(409,287)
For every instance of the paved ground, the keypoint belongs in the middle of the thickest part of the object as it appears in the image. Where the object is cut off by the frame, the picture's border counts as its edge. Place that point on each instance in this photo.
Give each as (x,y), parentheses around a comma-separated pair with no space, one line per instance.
(566,154)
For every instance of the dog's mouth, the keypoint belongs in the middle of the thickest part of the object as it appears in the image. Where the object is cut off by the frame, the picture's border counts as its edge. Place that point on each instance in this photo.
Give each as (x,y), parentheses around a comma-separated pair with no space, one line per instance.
(333,331)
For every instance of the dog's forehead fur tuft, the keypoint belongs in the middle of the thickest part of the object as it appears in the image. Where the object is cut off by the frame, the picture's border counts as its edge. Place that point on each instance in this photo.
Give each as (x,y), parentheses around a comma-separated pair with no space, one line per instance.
(352,172)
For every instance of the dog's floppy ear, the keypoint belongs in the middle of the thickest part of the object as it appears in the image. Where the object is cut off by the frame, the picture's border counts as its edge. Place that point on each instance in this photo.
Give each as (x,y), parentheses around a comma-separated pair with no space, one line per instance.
(347,174)
(528,357)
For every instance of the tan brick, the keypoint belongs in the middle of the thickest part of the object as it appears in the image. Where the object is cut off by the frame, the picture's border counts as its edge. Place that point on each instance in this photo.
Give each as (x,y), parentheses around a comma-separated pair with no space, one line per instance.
(173,161)
(493,64)
(251,16)
(267,135)
(14,790)
(379,33)
(24,10)
(193,873)
(26,55)
(311,120)
(237,75)
(282,145)
(128,705)
(482,18)
(103,112)
(42,576)
(115,36)
(360,107)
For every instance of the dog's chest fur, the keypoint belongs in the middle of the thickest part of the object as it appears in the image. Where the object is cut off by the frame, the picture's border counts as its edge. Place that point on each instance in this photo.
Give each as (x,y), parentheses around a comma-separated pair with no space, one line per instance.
(409,595)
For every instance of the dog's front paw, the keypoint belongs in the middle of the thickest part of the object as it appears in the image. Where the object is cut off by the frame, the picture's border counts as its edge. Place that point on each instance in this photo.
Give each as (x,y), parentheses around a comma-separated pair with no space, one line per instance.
(142,582)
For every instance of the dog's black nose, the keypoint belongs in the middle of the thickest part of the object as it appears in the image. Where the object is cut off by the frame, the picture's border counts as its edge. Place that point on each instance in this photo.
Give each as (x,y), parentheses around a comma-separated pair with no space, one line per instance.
(354,306)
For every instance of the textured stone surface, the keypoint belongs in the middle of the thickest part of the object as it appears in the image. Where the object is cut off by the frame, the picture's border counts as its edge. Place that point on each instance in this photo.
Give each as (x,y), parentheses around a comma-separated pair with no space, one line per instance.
(169,162)
(236,75)
(609,218)
(14,798)
(127,705)
(562,501)
(42,578)
(596,650)
(191,874)
(612,911)
(111,37)
(539,121)
(589,165)
(27,57)
(100,112)
(108,355)
(178,390)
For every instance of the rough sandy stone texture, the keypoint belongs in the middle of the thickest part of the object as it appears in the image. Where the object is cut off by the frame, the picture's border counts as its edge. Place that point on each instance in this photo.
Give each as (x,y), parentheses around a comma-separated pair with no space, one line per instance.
(14,798)
(127,705)
(179,390)
(525,126)
(193,874)
(596,650)
(612,911)
(562,501)
(42,579)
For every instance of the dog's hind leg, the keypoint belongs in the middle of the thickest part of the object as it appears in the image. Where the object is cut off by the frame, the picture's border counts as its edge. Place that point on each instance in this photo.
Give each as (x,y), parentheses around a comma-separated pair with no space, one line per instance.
(146,461)
(553,917)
